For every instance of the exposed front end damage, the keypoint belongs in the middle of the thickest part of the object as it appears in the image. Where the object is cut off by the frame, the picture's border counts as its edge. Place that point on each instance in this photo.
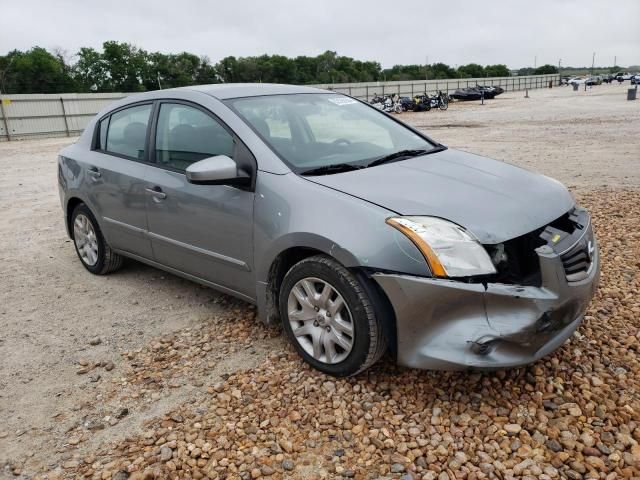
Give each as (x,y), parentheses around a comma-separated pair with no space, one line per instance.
(451,325)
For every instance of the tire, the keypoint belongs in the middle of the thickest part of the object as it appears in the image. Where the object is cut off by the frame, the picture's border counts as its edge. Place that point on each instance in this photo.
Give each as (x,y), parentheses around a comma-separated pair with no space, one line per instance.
(443,105)
(302,289)
(94,253)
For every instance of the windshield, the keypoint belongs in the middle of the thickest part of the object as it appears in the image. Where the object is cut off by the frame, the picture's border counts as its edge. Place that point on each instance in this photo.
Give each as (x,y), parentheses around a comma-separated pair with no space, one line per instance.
(311,131)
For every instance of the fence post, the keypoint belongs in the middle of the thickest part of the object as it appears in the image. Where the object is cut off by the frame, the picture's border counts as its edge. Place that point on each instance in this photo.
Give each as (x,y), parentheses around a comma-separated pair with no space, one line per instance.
(64,115)
(5,119)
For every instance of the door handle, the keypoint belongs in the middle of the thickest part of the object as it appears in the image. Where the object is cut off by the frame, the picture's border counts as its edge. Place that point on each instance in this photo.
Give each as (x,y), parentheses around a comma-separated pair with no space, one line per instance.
(157,193)
(94,172)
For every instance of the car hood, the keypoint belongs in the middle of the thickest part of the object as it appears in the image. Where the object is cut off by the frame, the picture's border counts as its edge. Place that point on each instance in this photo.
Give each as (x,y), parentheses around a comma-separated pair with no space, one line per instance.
(492,199)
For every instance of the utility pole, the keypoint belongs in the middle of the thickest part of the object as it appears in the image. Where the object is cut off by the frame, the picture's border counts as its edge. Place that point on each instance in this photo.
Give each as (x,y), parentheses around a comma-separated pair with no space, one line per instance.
(559,64)
(615,60)
(426,69)
(593,62)
(535,62)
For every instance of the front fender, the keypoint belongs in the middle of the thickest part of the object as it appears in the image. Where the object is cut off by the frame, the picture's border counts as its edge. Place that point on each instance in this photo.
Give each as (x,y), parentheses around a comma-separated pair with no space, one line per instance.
(351,230)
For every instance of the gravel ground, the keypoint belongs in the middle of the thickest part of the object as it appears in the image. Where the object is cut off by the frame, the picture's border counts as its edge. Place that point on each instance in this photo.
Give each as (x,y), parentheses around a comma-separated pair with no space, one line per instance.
(144,375)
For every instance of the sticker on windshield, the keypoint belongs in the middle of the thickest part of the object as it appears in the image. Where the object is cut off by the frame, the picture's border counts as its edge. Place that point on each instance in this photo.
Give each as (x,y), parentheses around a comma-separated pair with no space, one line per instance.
(342,100)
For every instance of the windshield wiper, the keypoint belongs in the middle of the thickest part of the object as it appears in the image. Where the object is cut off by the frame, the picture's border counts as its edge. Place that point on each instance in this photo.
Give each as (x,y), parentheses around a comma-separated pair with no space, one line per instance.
(404,154)
(334,168)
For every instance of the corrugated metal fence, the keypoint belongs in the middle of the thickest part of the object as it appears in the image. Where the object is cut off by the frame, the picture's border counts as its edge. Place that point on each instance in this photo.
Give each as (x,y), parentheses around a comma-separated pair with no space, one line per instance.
(50,115)
(67,114)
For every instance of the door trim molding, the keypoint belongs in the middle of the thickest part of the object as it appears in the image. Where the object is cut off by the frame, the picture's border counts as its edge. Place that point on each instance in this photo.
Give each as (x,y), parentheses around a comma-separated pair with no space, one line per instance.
(126,226)
(154,236)
(216,256)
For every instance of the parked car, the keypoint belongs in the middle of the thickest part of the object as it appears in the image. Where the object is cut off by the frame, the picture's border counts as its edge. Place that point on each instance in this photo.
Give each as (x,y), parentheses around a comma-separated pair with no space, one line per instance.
(577,81)
(355,231)
(594,80)
(622,76)
(635,80)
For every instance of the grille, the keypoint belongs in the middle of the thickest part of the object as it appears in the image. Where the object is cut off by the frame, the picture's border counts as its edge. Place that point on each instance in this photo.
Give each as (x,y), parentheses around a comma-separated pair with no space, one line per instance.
(577,260)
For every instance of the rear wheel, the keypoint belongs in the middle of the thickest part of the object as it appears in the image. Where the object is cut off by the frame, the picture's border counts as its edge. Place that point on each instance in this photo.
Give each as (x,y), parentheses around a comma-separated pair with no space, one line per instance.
(91,247)
(329,317)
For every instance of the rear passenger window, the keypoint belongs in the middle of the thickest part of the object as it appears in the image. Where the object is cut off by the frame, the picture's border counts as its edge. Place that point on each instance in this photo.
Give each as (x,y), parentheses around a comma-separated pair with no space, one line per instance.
(186,135)
(127,131)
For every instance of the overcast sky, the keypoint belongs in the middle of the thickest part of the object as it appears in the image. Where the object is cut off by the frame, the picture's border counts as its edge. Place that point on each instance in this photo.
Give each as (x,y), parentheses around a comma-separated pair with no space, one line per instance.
(401,31)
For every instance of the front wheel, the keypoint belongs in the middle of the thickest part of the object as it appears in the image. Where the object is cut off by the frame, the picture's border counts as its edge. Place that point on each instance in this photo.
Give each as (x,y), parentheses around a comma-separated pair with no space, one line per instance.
(329,317)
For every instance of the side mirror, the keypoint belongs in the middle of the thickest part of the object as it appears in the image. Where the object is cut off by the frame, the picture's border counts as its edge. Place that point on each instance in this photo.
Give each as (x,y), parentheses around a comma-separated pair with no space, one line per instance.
(218,170)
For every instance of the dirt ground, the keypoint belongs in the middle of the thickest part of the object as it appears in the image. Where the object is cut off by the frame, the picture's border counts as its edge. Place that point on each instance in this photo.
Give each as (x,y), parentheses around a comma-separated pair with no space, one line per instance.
(83,368)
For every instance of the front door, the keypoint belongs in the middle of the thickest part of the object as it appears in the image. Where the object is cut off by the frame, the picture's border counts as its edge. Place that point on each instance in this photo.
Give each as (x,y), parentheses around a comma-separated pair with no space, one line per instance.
(202,230)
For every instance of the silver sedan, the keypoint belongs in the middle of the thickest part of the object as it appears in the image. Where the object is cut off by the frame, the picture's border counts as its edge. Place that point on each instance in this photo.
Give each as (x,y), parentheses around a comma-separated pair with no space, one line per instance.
(357,233)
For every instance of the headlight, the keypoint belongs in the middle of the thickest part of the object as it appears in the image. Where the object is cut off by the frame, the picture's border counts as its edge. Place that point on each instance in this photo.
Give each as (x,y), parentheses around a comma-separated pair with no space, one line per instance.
(448,248)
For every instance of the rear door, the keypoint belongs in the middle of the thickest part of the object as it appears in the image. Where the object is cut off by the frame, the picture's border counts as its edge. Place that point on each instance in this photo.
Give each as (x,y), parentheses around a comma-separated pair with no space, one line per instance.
(201,230)
(115,172)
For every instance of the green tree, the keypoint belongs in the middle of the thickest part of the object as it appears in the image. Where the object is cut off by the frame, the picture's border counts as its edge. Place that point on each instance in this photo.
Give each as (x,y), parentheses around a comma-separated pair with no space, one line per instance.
(90,71)
(497,71)
(227,69)
(127,66)
(441,70)
(525,71)
(405,72)
(169,71)
(35,71)
(124,67)
(472,70)
(206,73)
(545,70)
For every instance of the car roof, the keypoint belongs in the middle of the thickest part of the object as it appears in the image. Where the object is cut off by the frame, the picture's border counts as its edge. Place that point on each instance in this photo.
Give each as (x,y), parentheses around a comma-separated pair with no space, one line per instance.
(223,91)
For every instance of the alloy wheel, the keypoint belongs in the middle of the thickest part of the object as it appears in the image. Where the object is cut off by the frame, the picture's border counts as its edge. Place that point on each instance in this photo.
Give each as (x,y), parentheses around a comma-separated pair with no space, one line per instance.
(320,320)
(85,239)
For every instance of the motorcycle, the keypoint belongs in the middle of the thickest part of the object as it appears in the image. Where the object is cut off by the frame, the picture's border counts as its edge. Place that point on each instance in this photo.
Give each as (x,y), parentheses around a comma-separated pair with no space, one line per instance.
(422,103)
(441,100)
(388,104)
(425,103)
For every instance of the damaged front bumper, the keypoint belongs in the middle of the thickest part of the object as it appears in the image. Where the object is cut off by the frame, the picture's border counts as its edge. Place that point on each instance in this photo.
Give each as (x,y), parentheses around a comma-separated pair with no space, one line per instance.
(451,325)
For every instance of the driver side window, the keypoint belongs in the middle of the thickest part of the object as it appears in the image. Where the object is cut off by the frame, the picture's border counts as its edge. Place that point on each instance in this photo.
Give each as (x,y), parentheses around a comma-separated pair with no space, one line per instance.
(186,135)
